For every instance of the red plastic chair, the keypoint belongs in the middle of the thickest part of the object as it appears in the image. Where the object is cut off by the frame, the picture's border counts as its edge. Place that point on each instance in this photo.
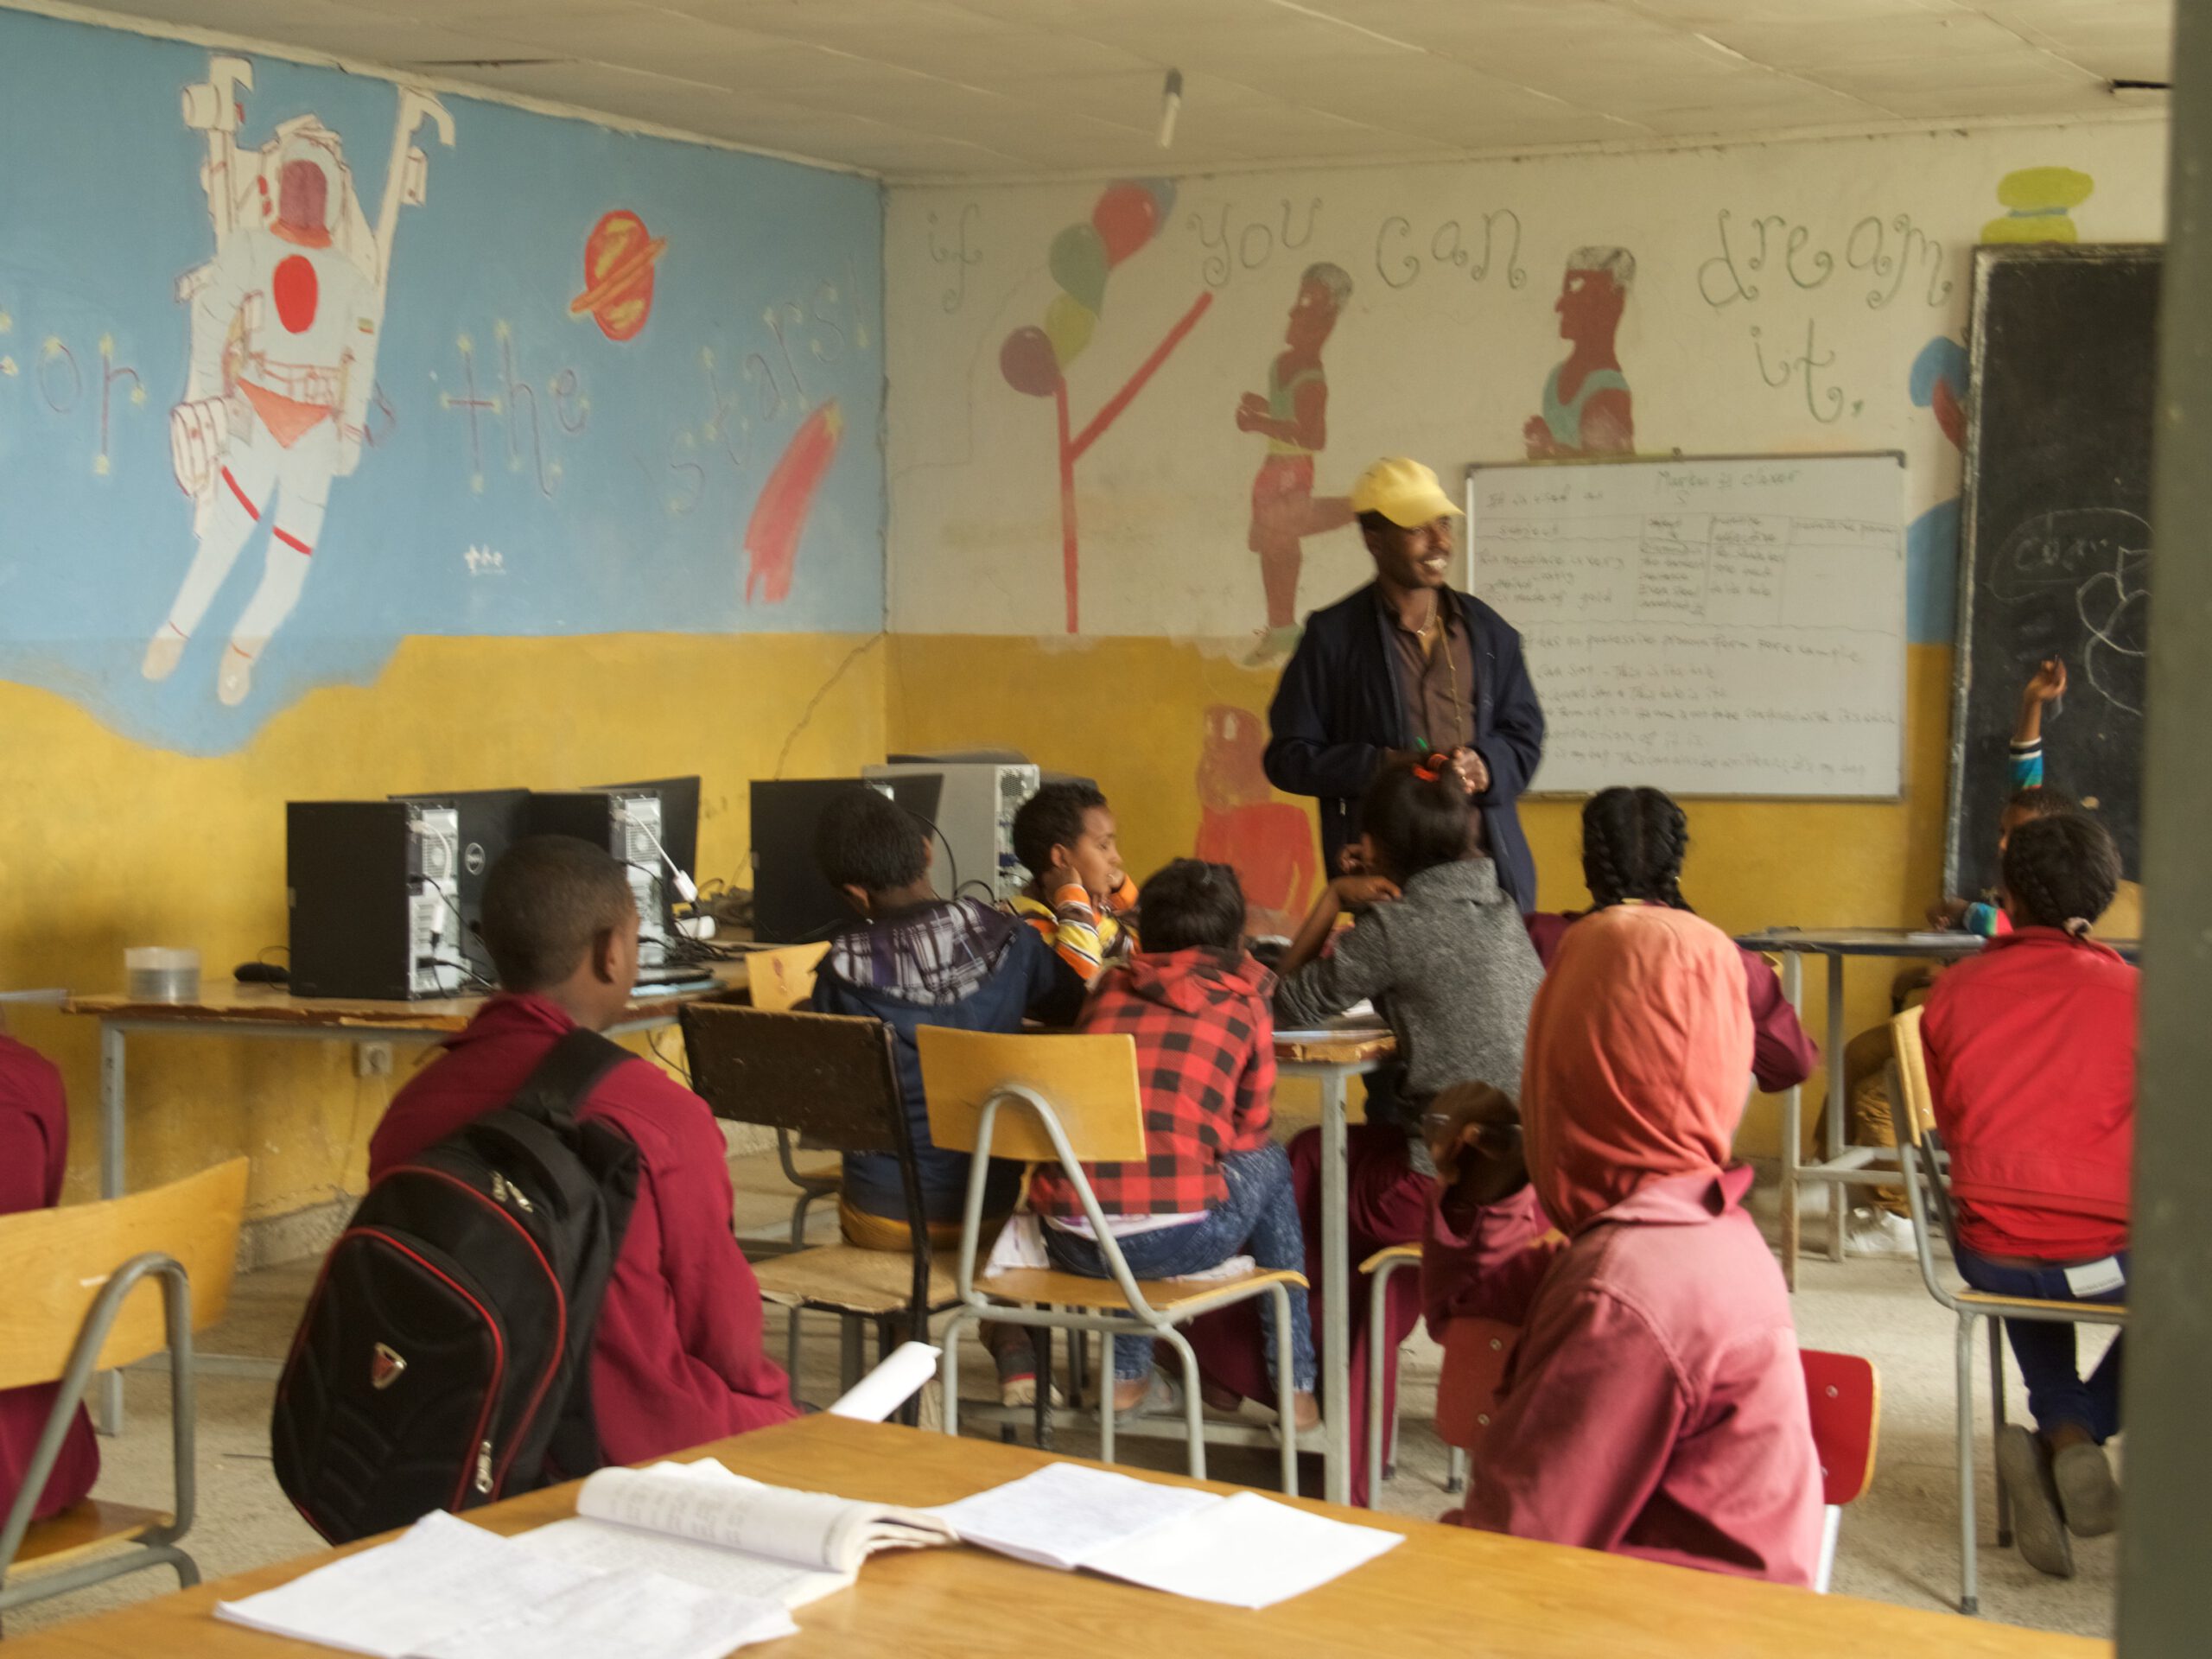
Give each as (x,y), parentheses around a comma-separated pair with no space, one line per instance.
(1843,1392)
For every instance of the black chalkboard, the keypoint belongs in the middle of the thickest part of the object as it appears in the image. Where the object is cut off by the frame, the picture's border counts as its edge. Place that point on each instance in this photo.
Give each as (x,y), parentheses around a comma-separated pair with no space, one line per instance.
(2054,547)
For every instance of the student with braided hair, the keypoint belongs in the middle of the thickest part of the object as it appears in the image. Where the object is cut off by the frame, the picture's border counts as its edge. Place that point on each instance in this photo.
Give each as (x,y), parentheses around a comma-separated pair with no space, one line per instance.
(1633,845)
(2030,1054)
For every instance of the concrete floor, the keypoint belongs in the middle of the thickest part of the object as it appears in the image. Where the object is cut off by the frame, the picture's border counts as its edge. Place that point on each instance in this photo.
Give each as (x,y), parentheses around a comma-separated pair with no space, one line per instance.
(1899,1542)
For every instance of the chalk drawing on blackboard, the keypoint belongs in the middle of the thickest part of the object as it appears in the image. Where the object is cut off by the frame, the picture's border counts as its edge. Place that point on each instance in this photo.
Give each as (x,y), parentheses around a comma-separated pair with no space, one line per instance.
(285,320)
(2054,551)
(2115,607)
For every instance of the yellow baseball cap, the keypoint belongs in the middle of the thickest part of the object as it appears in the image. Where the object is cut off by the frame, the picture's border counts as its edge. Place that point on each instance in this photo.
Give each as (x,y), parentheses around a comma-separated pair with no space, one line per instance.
(1404,492)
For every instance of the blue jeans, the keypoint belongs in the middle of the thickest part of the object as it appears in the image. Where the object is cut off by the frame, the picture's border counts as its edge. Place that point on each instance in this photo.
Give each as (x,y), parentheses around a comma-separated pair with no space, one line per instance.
(2057,1393)
(1260,1219)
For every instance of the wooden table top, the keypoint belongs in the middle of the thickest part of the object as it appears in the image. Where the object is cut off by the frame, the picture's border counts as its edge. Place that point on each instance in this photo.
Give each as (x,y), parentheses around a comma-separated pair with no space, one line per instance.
(224,1001)
(1444,1591)
(1346,1048)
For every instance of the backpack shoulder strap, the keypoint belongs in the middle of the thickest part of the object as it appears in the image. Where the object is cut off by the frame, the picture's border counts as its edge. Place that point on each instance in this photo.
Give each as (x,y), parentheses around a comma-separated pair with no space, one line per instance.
(565,1077)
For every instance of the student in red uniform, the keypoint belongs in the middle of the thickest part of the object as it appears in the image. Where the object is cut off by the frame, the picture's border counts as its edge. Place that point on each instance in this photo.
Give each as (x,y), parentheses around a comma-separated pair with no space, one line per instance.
(1653,1404)
(2031,1060)
(1633,840)
(34,1149)
(678,1359)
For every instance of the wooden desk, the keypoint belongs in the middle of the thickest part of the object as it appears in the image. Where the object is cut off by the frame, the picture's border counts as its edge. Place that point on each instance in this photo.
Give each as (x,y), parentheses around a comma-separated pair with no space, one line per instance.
(1840,1168)
(1332,1061)
(1445,1592)
(225,1008)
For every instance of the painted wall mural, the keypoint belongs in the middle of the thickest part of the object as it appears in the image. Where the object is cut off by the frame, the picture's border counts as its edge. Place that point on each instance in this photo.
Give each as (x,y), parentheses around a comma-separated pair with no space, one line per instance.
(1293,414)
(1587,409)
(1035,361)
(1243,823)
(434,366)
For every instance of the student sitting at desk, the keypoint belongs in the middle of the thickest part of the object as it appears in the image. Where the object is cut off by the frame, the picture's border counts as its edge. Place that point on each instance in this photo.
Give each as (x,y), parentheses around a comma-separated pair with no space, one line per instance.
(33,1151)
(917,960)
(2030,800)
(1080,897)
(1440,949)
(676,1358)
(1633,843)
(1214,1183)
(2031,1062)
(1653,1404)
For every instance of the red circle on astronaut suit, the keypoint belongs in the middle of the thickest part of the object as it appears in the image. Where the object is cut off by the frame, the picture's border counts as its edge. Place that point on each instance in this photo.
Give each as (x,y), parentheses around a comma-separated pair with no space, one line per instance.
(295,291)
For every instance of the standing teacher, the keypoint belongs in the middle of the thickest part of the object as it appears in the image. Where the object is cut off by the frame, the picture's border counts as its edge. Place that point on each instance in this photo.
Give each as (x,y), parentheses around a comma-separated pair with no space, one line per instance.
(1409,665)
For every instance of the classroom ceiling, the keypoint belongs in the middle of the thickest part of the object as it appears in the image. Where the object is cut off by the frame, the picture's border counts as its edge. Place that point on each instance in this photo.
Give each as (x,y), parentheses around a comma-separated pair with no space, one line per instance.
(1000,88)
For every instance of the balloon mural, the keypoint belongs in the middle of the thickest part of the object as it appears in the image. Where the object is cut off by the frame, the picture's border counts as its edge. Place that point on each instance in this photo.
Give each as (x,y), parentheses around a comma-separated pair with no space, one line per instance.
(1127,216)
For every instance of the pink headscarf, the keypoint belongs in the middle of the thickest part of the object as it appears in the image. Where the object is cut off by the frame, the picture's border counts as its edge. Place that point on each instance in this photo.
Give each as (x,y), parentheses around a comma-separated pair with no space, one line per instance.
(1639,1058)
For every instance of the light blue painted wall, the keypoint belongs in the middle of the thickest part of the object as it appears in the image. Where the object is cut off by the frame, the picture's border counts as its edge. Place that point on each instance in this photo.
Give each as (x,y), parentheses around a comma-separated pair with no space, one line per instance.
(767,304)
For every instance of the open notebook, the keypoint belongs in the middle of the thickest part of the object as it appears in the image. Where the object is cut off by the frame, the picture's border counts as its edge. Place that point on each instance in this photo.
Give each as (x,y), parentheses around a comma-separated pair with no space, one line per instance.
(703,1523)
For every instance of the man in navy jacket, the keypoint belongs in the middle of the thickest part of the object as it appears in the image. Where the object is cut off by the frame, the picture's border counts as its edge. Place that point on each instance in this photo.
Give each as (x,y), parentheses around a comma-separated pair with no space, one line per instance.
(1409,665)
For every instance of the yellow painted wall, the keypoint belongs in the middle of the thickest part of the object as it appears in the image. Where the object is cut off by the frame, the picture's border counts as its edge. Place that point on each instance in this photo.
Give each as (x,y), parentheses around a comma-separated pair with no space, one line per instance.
(1129,711)
(104,844)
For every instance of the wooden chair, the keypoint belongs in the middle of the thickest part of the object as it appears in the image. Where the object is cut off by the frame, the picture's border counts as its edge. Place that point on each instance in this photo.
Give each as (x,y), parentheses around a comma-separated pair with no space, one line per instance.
(1928,1191)
(69,1273)
(1844,1392)
(1073,1101)
(779,980)
(832,1078)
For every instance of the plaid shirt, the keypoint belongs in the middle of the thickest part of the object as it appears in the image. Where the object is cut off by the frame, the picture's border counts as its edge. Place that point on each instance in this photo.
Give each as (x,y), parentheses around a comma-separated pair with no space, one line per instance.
(937,952)
(1205,1071)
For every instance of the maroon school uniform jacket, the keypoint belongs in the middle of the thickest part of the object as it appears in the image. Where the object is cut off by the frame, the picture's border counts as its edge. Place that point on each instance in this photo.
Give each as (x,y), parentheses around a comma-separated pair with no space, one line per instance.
(677,1359)
(1653,1404)
(1783,1056)
(34,1147)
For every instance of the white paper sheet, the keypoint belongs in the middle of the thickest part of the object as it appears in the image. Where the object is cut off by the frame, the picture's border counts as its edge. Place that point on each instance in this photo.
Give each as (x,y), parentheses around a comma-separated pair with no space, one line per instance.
(1064,1514)
(890,1385)
(1247,1551)
(604,1545)
(636,1614)
(440,1575)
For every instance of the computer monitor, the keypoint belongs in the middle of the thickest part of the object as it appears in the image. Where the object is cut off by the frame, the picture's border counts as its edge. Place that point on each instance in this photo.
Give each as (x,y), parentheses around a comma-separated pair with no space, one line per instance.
(792,902)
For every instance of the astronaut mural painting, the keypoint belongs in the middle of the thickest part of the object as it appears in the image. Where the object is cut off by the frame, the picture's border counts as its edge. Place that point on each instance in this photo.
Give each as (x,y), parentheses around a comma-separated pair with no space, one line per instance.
(285,321)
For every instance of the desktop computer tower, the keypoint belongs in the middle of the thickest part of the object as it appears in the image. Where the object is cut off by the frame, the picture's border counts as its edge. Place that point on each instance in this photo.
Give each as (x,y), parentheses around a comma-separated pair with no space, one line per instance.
(626,822)
(491,821)
(976,802)
(792,901)
(374,898)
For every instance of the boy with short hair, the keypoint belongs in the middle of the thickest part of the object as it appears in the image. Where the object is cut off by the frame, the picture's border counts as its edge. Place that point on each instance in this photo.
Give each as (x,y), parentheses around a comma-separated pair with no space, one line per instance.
(915,960)
(676,1358)
(1078,897)
(1213,1183)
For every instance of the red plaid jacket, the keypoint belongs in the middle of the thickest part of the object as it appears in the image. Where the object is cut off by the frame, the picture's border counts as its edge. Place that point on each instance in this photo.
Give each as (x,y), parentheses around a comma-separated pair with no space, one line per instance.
(1205,1069)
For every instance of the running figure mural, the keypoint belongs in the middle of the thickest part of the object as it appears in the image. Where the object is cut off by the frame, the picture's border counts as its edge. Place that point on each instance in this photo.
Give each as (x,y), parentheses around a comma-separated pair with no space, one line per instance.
(285,321)
(1293,414)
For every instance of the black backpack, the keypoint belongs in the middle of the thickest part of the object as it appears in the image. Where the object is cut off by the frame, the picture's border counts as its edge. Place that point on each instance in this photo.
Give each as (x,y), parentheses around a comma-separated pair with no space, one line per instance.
(443,1359)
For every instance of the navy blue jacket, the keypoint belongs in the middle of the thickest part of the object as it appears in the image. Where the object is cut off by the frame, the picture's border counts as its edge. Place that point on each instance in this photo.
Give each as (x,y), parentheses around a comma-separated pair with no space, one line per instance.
(1338,709)
(1028,980)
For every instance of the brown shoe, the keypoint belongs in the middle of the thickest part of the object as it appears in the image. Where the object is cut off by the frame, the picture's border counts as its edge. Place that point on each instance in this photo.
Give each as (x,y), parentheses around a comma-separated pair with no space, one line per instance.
(2037,1528)
(2088,1495)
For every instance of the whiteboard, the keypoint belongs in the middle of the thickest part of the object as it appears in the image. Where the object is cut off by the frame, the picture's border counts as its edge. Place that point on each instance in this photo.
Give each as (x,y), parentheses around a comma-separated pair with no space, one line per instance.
(1726,626)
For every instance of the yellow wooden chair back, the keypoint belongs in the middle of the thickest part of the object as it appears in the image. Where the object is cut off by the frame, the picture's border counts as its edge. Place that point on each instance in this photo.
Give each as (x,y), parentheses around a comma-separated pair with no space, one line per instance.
(782,979)
(1091,1083)
(54,1264)
(1918,1108)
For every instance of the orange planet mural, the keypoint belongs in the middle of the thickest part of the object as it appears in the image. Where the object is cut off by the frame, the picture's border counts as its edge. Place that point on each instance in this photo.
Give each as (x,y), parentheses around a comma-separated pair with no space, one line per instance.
(619,258)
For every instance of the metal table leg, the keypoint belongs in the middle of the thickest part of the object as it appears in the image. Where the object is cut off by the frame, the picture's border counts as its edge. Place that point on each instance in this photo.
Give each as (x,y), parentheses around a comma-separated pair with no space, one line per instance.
(1335,1273)
(1793,1128)
(1838,1195)
(110,1387)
